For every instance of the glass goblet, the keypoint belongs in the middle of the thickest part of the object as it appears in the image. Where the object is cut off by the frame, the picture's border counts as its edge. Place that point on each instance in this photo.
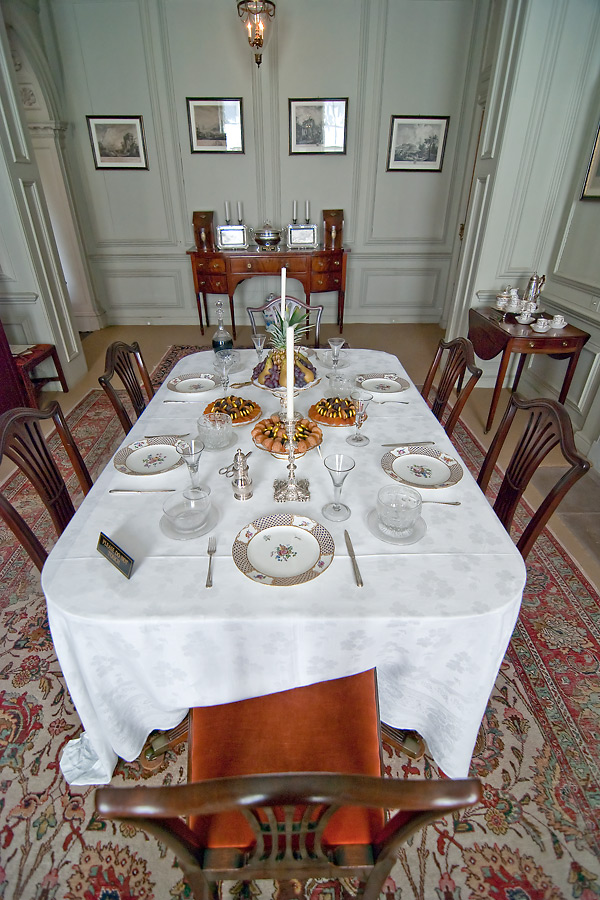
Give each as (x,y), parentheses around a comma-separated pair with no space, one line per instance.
(336,344)
(361,400)
(191,451)
(259,344)
(339,466)
(224,362)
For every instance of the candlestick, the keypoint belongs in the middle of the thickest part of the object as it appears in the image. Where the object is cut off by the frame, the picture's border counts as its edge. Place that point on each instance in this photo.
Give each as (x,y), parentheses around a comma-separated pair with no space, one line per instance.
(291,489)
(283,290)
(295,211)
(307,212)
(227,213)
(289,363)
(239,213)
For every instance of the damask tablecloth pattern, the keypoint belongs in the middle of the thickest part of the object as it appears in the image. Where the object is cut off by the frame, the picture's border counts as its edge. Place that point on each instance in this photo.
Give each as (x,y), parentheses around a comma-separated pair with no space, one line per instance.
(434,617)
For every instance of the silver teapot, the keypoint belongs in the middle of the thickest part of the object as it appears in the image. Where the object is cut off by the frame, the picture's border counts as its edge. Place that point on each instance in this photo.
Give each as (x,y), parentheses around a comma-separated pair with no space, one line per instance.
(534,288)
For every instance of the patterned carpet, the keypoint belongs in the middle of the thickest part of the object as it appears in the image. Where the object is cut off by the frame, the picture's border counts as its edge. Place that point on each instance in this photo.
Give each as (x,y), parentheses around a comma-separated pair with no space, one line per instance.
(535,837)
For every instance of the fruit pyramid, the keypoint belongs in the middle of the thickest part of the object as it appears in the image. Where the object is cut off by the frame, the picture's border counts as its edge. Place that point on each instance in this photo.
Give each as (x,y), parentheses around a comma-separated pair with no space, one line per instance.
(272,371)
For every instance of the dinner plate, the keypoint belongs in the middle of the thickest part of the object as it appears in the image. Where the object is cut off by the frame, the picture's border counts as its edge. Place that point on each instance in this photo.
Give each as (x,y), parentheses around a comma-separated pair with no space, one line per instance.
(192,384)
(149,456)
(382,384)
(422,467)
(325,358)
(209,523)
(418,532)
(283,549)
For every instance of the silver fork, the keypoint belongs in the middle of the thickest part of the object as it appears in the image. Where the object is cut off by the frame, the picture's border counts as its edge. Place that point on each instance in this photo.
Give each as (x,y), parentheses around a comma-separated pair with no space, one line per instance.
(211,550)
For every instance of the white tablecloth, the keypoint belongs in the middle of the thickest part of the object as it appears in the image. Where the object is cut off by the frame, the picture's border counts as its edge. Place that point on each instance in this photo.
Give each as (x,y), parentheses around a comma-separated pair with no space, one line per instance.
(434,617)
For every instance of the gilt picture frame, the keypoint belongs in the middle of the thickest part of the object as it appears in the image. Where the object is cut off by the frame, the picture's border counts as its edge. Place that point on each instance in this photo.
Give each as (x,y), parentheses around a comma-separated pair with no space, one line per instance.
(216,124)
(591,185)
(417,143)
(118,142)
(318,125)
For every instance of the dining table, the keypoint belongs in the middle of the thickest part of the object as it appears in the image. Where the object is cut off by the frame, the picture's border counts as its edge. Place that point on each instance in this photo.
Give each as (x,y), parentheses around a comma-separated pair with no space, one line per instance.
(433,617)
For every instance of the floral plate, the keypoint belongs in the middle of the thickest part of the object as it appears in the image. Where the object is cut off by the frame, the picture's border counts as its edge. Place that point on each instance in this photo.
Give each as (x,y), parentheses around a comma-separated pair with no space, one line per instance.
(283,549)
(192,384)
(422,467)
(149,456)
(382,384)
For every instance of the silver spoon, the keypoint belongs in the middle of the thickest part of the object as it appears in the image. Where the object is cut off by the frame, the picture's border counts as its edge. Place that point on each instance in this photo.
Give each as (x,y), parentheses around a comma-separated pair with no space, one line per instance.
(443,502)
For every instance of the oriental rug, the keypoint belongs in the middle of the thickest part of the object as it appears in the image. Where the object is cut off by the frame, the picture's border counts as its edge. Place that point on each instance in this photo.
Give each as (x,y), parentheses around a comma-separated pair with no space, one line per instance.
(536,836)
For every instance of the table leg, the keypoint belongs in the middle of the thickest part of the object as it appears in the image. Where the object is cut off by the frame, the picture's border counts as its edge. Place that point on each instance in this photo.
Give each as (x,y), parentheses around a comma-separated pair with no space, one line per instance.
(498,387)
(59,371)
(519,371)
(569,376)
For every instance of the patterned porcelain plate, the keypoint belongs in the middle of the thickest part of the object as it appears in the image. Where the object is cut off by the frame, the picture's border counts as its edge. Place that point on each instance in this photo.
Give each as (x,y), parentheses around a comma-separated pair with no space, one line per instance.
(148,456)
(422,467)
(283,549)
(192,384)
(382,384)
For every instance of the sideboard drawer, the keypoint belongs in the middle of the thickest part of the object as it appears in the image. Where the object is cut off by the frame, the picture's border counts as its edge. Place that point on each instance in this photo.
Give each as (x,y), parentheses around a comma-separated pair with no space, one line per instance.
(328,281)
(241,265)
(212,284)
(209,264)
(328,262)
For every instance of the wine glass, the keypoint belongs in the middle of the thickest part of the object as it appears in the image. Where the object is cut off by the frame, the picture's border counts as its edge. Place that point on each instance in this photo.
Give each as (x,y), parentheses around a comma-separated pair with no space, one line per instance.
(336,344)
(191,451)
(259,343)
(361,400)
(338,465)
(224,362)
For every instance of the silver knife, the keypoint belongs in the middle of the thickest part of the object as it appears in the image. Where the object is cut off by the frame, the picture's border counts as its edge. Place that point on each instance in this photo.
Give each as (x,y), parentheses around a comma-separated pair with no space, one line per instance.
(357,574)
(411,444)
(150,491)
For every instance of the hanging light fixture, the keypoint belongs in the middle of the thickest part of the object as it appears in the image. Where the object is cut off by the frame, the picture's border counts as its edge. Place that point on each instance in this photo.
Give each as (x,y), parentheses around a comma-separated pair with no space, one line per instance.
(256,16)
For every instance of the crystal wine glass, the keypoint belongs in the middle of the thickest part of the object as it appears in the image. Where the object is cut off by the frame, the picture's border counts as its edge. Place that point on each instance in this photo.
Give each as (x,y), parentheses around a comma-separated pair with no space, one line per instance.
(338,465)
(336,344)
(259,343)
(224,362)
(361,400)
(191,451)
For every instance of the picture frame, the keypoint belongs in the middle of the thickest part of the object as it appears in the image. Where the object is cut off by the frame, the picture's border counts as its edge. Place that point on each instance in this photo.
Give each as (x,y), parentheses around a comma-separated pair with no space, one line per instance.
(118,142)
(318,125)
(216,124)
(304,236)
(591,185)
(417,143)
(232,237)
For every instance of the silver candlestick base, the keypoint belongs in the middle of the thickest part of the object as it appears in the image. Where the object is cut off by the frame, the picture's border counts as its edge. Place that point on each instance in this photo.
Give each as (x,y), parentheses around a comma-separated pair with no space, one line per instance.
(292,488)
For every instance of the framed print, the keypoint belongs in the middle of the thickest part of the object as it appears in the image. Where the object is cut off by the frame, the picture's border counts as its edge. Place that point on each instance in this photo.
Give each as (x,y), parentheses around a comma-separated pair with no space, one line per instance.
(216,125)
(591,186)
(302,236)
(417,143)
(232,237)
(118,142)
(318,126)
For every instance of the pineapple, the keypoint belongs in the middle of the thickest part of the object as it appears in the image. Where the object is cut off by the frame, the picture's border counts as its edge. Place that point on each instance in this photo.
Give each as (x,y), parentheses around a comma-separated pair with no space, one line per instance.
(272,371)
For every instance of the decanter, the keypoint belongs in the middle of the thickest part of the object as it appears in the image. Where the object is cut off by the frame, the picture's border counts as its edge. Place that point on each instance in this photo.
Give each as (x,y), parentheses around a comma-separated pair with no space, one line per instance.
(222,340)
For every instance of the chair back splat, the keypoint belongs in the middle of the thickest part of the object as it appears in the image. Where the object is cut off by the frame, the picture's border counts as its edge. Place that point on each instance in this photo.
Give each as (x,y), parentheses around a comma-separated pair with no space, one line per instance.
(275,305)
(460,359)
(120,359)
(548,425)
(23,442)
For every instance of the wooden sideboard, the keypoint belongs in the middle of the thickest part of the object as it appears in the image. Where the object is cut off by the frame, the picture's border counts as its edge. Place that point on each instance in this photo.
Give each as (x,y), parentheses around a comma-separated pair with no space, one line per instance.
(220,272)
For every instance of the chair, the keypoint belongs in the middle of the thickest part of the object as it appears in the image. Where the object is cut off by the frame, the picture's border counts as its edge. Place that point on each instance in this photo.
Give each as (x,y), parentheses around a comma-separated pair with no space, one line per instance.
(460,359)
(547,426)
(22,441)
(273,810)
(119,361)
(275,304)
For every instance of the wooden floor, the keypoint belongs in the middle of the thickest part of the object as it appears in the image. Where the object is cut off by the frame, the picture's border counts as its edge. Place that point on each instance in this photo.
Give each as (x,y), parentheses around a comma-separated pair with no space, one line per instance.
(576,524)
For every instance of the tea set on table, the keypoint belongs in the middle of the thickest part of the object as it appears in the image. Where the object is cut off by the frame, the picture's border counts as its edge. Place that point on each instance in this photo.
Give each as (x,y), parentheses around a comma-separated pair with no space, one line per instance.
(526,309)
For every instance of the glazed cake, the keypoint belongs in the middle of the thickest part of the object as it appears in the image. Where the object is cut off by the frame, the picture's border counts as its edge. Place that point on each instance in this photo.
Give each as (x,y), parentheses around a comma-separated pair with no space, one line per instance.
(240,410)
(333,411)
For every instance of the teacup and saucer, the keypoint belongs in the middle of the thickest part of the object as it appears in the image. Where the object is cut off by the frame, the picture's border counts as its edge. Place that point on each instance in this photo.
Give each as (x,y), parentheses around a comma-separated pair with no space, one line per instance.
(558,322)
(541,326)
(524,319)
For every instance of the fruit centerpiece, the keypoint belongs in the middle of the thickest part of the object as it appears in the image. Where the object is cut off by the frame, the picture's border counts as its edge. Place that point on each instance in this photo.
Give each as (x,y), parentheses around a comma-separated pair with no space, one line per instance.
(271,371)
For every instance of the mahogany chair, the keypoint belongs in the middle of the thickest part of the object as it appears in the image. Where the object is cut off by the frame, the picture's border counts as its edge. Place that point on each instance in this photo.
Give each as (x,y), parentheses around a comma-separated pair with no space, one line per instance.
(120,359)
(276,303)
(460,359)
(23,442)
(287,786)
(547,426)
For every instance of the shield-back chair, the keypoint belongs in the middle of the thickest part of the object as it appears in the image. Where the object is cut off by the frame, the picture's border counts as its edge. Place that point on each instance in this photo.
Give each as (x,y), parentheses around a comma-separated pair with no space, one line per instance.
(459,361)
(275,304)
(120,359)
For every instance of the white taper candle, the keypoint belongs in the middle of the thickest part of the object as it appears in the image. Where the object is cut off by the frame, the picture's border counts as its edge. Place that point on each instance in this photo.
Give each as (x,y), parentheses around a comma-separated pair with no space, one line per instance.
(307,212)
(239,212)
(227,215)
(283,290)
(289,362)
(295,210)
